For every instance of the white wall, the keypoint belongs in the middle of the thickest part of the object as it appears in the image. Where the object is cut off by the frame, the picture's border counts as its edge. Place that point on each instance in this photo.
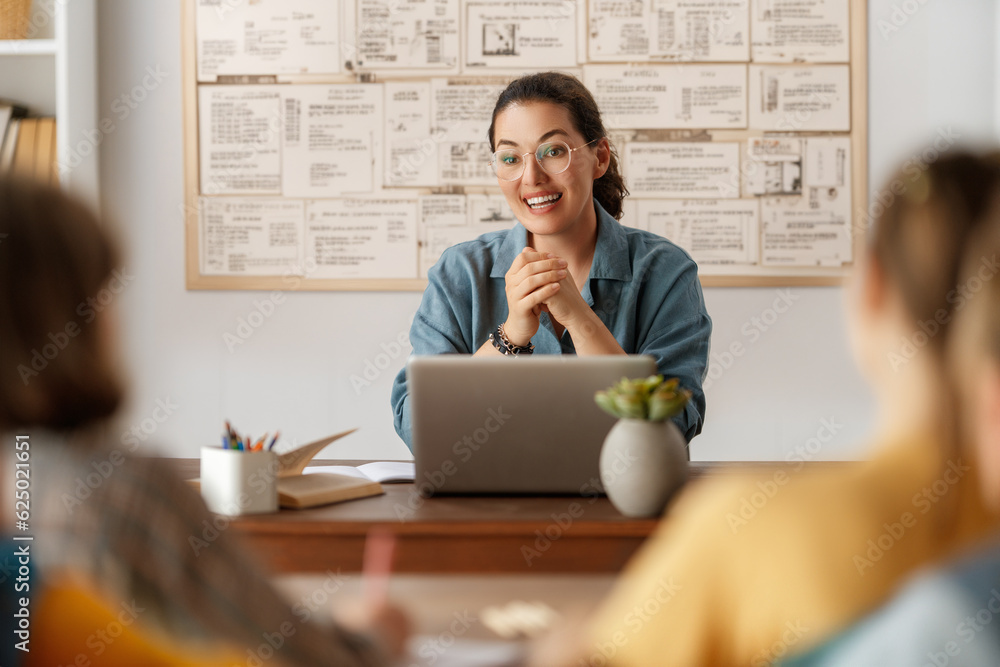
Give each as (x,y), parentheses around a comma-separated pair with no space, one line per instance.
(938,70)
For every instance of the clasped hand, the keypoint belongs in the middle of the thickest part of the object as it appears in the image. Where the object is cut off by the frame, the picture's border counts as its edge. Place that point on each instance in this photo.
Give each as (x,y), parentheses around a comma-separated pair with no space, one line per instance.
(536,283)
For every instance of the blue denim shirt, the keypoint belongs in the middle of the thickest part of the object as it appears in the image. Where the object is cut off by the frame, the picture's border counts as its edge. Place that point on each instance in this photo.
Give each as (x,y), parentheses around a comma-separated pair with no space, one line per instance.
(937,619)
(643,287)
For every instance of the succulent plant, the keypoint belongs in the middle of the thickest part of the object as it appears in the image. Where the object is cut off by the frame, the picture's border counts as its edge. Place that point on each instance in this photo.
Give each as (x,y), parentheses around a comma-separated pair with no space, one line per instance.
(652,398)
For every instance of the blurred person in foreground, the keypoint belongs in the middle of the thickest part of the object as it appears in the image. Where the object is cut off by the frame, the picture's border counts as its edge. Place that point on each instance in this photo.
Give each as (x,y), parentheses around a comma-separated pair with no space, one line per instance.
(747,569)
(129,568)
(949,616)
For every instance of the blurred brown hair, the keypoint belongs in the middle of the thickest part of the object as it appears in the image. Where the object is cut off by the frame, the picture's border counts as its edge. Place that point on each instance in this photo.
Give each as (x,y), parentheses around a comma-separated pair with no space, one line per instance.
(921,239)
(55,370)
(977,328)
(921,243)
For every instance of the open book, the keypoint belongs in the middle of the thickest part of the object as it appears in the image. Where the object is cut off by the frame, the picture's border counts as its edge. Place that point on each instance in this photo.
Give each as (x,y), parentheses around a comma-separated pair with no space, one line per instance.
(298,490)
(384,472)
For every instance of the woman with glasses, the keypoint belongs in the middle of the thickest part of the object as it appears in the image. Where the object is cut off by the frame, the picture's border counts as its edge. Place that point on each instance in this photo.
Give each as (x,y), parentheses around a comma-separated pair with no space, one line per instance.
(568,278)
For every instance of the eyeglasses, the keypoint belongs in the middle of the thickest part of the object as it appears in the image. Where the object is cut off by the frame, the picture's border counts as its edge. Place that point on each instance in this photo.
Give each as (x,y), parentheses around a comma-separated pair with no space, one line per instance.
(553,157)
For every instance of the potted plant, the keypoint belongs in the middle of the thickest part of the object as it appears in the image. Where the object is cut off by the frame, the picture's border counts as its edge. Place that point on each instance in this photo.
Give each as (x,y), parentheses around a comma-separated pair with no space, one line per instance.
(644,458)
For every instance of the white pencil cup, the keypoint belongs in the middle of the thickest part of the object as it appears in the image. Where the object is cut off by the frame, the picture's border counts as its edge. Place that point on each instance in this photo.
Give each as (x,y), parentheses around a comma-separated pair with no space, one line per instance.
(237,482)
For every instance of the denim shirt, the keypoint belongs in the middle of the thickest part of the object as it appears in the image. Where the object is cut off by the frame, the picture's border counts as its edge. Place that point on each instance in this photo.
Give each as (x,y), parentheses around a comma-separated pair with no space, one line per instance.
(941,617)
(643,287)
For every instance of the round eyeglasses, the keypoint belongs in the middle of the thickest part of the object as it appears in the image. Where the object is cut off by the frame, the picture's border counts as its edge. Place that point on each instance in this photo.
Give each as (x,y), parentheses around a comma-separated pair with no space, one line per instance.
(553,157)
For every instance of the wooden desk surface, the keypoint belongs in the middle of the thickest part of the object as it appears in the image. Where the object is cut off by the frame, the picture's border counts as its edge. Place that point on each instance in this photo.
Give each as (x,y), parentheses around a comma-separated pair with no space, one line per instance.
(452,534)
(450,612)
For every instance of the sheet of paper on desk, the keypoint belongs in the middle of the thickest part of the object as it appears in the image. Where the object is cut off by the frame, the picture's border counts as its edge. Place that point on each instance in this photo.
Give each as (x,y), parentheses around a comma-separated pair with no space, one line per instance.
(787,31)
(417,34)
(384,472)
(428,650)
(331,139)
(514,34)
(240,140)
(250,236)
(288,37)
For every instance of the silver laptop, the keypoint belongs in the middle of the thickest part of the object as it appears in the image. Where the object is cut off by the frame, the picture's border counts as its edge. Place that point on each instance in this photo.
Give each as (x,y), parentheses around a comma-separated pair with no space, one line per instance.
(501,425)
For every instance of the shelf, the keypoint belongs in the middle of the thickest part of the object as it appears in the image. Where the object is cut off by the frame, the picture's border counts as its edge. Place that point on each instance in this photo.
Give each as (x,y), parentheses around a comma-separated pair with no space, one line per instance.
(27,47)
(55,74)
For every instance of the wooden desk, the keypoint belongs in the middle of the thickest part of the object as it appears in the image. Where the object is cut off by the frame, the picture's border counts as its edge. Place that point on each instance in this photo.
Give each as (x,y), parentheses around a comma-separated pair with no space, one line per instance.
(514,535)
(434,599)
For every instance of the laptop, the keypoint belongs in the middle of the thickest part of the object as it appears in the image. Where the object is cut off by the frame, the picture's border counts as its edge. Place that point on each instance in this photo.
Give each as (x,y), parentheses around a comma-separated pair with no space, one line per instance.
(521,426)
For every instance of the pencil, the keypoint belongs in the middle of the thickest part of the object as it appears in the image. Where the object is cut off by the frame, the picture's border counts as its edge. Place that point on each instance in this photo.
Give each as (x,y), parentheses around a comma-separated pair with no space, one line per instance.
(380,547)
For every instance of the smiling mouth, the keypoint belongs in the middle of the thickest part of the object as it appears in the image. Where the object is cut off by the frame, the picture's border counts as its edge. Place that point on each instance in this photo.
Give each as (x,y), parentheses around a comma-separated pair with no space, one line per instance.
(542,202)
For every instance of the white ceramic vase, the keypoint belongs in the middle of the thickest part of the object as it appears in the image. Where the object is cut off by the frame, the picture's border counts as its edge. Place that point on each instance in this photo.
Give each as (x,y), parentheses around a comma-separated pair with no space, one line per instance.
(642,464)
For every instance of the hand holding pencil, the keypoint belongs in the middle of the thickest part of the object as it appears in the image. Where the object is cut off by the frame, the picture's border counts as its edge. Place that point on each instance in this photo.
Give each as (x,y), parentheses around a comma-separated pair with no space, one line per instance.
(379,616)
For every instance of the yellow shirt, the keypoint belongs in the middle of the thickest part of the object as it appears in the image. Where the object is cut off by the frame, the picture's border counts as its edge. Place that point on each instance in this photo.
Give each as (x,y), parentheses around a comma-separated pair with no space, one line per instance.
(75,625)
(746,569)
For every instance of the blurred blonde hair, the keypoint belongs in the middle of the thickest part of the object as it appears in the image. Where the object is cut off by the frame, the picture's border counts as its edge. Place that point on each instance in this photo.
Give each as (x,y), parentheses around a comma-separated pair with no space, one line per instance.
(922,237)
(921,244)
(976,339)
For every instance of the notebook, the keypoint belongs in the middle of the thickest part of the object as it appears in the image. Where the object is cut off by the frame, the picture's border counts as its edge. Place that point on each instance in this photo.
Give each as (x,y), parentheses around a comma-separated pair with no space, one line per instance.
(301,491)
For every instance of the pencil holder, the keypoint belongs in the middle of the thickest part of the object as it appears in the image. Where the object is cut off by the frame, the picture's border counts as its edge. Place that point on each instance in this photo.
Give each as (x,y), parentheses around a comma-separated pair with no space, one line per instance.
(239,482)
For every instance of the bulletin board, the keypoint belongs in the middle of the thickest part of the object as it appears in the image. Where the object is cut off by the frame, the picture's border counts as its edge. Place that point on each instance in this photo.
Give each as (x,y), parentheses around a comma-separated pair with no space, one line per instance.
(342,145)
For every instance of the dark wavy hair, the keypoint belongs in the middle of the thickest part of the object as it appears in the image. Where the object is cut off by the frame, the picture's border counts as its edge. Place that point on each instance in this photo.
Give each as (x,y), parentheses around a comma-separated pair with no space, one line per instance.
(568,92)
(55,370)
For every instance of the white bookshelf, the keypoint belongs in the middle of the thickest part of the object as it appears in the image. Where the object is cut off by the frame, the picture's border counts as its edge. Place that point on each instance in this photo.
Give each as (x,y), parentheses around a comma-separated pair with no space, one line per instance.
(28,47)
(54,73)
